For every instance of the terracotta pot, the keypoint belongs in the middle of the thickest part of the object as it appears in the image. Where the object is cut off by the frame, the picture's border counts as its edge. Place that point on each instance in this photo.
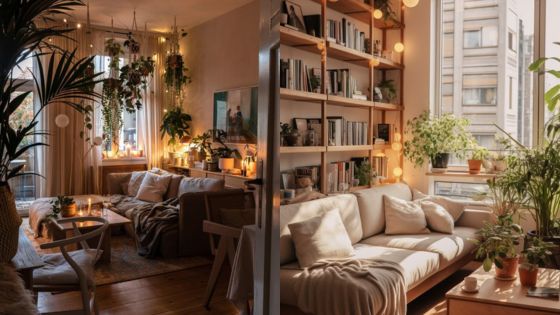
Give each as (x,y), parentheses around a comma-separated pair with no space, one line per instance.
(528,275)
(9,224)
(474,166)
(500,165)
(226,163)
(69,211)
(509,268)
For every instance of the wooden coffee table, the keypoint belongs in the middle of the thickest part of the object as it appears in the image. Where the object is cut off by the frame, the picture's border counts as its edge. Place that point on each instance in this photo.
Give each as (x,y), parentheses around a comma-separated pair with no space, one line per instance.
(503,297)
(64,230)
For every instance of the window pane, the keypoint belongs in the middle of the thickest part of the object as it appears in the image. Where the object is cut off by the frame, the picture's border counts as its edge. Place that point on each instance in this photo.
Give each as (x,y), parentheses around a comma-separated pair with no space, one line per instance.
(459,190)
(24,70)
(490,36)
(471,39)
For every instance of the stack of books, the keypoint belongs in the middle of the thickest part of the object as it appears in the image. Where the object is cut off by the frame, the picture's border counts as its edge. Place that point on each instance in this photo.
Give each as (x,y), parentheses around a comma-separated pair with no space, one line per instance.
(340,176)
(340,82)
(296,75)
(343,132)
(347,34)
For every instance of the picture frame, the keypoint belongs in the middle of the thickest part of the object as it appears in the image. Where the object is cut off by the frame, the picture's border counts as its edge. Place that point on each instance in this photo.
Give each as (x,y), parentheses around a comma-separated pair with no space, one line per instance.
(295,15)
(236,113)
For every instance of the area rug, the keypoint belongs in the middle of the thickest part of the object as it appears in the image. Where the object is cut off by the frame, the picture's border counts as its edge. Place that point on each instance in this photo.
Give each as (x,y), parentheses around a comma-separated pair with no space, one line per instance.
(126,264)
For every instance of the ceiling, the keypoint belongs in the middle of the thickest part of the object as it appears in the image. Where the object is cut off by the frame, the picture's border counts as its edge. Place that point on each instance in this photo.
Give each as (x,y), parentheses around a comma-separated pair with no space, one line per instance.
(158,14)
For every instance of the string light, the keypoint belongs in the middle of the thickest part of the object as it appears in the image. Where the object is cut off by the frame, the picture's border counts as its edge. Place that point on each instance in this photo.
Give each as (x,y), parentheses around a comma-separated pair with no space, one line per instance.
(410,3)
(399,47)
(398,136)
(79,25)
(397,172)
(396,146)
(65,20)
(377,14)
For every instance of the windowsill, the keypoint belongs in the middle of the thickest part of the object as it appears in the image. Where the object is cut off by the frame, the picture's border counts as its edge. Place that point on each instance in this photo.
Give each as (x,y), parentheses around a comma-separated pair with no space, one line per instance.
(461,174)
(124,161)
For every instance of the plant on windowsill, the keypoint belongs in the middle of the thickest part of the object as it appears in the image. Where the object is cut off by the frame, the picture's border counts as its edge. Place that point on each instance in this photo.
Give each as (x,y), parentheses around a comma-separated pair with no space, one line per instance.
(61,80)
(176,125)
(497,246)
(478,154)
(536,255)
(434,139)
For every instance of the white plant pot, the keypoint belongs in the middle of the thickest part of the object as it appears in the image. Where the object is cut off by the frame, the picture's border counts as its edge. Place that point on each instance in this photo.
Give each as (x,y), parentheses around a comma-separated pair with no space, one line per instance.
(226,163)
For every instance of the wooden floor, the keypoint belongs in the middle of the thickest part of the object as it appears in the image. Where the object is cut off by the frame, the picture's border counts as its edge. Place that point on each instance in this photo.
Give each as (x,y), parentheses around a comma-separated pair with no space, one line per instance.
(180,292)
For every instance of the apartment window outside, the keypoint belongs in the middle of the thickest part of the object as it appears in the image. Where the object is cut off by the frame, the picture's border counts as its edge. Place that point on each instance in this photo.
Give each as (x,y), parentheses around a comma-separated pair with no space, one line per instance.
(471,39)
(479,96)
(512,41)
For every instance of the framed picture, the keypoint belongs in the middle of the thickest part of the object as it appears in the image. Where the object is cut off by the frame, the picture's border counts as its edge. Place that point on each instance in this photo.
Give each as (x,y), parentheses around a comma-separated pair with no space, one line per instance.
(295,15)
(235,112)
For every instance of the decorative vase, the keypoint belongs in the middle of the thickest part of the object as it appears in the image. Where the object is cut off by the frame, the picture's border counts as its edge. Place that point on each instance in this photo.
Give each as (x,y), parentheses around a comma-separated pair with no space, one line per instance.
(9,224)
(508,270)
(528,275)
(226,163)
(474,166)
(291,139)
(439,162)
(69,210)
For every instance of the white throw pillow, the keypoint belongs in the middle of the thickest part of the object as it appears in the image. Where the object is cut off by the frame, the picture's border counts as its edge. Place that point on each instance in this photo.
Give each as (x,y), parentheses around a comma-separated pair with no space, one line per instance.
(454,208)
(439,220)
(136,179)
(320,237)
(403,217)
(153,187)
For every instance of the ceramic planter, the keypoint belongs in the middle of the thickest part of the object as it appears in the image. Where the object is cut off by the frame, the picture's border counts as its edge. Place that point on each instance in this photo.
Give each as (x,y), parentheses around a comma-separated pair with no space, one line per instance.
(509,268)
(439,162)
(528,275)
(226,163)
(474,166)
(69,210)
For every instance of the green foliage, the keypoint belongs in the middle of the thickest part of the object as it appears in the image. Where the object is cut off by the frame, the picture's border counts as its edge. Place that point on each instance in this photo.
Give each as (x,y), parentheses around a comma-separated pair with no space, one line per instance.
(479,153)
(61,80)
(223,151)
(176,73)
(203,143)
(286,129)
(552,96)
(60,202)
(175,124)
(364,173)
(388,87)
(498,241)
(538,252)
(386,8)
(433,135)
(506,199)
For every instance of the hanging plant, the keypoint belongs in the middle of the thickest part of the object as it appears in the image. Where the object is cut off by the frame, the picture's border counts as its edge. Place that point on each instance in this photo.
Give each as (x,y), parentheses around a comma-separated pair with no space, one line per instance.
(176,73)
(111,101)
(132,45)
(134,78)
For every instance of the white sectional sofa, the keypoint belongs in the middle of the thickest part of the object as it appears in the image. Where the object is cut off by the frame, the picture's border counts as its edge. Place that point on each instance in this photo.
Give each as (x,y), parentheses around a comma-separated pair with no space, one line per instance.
(426,259)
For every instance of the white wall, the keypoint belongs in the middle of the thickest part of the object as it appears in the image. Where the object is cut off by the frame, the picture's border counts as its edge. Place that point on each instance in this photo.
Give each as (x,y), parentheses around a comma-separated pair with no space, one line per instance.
(417,77)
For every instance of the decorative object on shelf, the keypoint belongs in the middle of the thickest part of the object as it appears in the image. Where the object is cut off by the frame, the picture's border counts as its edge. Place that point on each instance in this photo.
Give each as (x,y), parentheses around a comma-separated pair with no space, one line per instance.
(176,125)
(434,138)
(478,154)
(176,74)
(249,163)
(385,6)
(294,13)
(203,144)
(58,80)
(364,173)
(236,112)
(536,255)
(289,135)
(225,155)
(388,90)
(497,245)
(64,206)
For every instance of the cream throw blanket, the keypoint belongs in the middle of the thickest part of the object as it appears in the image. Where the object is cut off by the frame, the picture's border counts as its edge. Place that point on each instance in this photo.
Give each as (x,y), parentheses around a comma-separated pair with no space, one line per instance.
(352,286)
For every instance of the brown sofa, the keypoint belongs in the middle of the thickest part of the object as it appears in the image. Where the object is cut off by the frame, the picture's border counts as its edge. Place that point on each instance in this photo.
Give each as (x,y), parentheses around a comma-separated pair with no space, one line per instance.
(188,239)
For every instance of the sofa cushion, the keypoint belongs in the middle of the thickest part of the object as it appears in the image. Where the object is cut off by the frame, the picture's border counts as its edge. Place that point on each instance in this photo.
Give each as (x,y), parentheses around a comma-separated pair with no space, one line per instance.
(346,203)
(198,184)
(449,247)
(320,237)
(417,266)
(439,220)
(136,179)
(403,217)
(455,208)
(153,187)
(173,189)
(370,202)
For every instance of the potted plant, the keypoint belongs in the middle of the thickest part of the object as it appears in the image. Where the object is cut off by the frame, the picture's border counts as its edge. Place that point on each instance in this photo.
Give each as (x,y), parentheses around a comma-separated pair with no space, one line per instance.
(534,256)
(226,156)
(65,206)
(60,80)
(176,125)
(478,154)
(288,134)
(365,173)
(203,145)
(497,246)
(388,90)
(433,139)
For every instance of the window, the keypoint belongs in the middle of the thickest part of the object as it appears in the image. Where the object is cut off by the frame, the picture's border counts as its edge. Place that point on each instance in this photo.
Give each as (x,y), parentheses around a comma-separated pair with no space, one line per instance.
(486,36)
(490,36)
(479,96)
(512,41)
(471,39)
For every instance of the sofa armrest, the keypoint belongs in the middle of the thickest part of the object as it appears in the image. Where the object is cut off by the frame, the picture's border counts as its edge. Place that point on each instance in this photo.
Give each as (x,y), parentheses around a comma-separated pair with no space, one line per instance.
(114,182)
(474,218)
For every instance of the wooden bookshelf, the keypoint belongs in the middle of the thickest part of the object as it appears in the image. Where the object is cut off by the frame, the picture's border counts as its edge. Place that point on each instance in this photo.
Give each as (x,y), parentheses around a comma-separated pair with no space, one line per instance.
(328,50)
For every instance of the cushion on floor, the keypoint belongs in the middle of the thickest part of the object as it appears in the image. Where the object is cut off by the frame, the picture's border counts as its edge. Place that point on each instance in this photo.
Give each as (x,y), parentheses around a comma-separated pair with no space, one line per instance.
(58,271)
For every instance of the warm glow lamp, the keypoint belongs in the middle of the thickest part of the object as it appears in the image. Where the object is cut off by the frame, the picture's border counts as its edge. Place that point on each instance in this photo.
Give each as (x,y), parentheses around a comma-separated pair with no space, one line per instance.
(374,62)
(410,3)
(397,171)
(377,14)
(396,146)
(61,121)
(399,47)
(398,136)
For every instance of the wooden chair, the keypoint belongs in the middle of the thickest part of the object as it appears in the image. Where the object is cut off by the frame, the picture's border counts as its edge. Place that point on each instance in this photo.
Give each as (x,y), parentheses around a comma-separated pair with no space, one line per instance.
(72,270)
(221,233)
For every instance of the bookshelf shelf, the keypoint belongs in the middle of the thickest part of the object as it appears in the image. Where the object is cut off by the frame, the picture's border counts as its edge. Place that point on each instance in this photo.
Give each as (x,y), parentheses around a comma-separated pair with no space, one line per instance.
(300,40)
(348,148)
(389,24)
(348,102)
(346,54)
(308,149)
(354,8)
(295,95)
(386,64)
(378,147)
(387,106)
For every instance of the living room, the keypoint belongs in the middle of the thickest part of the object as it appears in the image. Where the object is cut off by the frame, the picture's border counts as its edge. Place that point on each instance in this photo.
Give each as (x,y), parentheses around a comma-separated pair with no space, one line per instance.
(279,157)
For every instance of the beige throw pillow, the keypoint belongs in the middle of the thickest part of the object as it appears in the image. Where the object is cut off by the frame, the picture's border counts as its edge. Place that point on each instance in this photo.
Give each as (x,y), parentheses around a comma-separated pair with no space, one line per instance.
(320,237)
(403,217)
(439,220)
(454,208)
(136,179)
(153,187)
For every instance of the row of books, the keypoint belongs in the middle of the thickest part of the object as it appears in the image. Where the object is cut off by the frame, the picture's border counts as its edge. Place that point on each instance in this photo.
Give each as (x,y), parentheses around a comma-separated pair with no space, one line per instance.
(346,34)
(296,75)
(341,83)
(340,176)
(343,132)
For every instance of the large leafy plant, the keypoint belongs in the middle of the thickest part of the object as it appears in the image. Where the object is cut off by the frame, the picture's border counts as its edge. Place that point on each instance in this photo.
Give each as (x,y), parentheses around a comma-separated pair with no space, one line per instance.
(176,125)
(498,241)
(430,136)
(61,80)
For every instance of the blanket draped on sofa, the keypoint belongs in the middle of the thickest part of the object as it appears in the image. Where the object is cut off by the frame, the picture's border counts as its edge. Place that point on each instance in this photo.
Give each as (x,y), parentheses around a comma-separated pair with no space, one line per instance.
(151,221)
(352,286)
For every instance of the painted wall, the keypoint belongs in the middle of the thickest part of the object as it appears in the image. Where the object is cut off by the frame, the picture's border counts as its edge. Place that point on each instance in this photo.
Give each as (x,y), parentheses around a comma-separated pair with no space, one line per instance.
(418,60)
(221,54)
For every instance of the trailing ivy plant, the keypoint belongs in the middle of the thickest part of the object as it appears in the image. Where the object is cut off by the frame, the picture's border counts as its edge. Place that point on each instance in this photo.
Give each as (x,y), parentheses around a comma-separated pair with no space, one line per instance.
(176,125)
(434,135)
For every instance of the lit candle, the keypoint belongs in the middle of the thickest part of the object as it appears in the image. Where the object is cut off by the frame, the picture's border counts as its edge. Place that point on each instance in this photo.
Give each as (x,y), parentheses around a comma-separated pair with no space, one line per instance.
(128,150)
(89,206)
(140,151)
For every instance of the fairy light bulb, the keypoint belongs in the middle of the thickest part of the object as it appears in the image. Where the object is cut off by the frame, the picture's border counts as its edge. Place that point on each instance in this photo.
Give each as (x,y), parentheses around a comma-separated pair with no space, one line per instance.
(399,47)
(377,14)
(396,146)
(374,62)
(397,172)
(398,136)
(65,20)
(79,25)
(410,3)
